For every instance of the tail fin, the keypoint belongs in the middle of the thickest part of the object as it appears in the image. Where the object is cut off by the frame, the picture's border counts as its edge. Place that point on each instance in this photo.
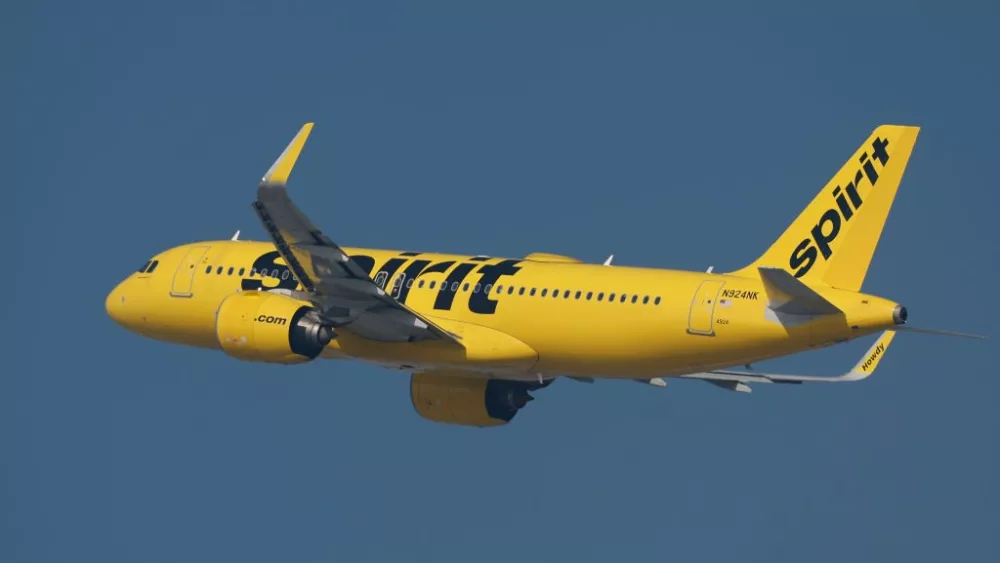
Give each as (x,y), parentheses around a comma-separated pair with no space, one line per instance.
(833,239)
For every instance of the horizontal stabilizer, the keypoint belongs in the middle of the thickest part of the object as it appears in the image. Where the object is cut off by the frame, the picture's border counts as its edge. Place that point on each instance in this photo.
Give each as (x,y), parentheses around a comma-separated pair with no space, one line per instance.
(788,295)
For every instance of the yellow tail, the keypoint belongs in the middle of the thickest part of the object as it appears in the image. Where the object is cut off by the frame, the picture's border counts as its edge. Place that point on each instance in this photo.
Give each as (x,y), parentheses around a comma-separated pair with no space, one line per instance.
(832,241)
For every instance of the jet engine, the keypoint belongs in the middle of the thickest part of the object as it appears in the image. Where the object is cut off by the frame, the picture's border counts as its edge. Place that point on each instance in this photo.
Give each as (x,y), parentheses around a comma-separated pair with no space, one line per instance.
(258,326)
(467,400)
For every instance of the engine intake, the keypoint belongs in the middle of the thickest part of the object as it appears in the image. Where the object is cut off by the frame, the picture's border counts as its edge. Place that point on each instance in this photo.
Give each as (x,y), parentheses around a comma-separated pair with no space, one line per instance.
(265,327)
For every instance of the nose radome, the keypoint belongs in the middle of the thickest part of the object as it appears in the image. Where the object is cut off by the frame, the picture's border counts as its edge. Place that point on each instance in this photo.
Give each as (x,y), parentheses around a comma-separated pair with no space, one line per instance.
(115,304)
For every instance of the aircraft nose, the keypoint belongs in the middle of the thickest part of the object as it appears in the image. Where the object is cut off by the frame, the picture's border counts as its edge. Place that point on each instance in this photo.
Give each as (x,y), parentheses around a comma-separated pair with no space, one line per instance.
(115,304)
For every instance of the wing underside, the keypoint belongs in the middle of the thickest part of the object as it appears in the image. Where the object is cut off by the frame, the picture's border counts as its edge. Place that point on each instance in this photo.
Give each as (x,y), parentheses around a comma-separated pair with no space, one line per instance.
(741,380)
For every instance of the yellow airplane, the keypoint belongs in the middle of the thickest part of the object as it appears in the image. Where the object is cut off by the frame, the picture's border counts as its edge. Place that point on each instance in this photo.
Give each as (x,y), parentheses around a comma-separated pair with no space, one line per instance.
(478,333)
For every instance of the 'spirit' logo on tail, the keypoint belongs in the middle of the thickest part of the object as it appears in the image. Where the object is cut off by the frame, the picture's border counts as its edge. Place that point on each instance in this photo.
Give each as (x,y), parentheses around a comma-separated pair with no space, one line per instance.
(848,202)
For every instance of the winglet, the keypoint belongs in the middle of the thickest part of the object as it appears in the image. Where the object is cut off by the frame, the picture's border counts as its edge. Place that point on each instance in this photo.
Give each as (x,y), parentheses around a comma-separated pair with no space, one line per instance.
(872,357)
(282,168)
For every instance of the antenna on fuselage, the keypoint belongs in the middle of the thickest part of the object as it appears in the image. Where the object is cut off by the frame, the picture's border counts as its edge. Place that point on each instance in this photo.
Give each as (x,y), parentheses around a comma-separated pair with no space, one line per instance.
(608,261)
(236,235)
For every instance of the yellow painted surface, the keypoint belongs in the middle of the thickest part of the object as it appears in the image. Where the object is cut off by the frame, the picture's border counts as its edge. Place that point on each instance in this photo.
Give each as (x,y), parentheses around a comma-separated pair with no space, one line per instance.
(582,331)
(547,314)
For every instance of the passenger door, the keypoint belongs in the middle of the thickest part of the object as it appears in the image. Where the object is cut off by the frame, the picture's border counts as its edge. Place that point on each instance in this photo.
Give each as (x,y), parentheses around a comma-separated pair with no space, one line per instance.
(702,314)
(183,284)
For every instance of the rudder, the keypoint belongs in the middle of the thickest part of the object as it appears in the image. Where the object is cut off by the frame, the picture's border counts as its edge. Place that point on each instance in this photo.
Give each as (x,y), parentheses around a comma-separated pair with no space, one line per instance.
(832,241)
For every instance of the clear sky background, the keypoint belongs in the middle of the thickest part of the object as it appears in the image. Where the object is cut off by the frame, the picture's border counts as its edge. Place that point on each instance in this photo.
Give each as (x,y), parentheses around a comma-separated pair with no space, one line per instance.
(671,136)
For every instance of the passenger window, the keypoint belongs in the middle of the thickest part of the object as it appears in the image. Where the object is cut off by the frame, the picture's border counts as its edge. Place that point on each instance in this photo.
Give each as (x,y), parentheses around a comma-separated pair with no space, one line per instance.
(409,283)
(545,292)
(241,272)
(153,266)
(219,271)
(555,293)
(284,275)
(499,289)
(645,300)
(421,284)
(208,270)
(600,296)
(230,272)
(253,272)
(520,291)
(454,286)
(635,298)
(532,293)
(566,294)
(656,301)
(274,273)
(432,284)
(488,287)
(465,287)
(479,286)
(624,297)
(578,293)
(611,298)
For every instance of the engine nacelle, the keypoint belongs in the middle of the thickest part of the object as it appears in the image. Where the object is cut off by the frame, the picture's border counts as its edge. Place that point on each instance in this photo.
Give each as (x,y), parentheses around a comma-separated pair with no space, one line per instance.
(467,400)
(258,326)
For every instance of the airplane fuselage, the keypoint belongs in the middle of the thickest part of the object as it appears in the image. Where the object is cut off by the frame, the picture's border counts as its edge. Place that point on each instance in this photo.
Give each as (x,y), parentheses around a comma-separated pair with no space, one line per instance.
(530,318)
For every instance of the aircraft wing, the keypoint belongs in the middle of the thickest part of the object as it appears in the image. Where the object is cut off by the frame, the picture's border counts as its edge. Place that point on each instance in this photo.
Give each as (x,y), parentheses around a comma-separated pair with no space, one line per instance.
(740,380)
(335,283)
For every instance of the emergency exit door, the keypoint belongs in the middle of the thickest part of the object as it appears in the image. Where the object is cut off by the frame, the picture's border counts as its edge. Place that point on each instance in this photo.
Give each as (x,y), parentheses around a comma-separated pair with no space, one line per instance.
(701,318)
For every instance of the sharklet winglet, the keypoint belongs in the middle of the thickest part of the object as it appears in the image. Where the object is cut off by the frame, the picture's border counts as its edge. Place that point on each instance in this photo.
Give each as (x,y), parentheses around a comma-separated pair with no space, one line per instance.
(278,173)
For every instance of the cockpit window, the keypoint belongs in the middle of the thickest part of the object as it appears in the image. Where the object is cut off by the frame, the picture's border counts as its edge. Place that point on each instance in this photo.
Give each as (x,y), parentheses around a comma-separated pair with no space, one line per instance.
(148,267)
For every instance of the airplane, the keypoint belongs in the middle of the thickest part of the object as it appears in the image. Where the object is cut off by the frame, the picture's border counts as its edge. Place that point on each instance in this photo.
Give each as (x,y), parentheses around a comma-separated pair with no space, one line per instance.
(479,334)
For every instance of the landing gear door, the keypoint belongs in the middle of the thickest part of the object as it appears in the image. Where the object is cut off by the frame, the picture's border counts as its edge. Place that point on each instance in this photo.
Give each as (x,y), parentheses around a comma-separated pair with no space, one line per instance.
(701,317)
(183,284)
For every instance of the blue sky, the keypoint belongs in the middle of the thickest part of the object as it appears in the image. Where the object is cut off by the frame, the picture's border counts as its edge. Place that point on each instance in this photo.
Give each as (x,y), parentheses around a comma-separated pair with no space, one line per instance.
(672,136)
